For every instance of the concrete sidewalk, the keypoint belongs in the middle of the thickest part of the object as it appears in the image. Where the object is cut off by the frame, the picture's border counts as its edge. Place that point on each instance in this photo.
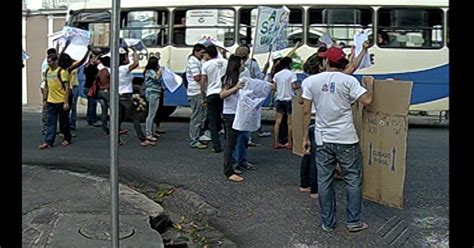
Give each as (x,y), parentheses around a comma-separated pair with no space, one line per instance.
(66,209)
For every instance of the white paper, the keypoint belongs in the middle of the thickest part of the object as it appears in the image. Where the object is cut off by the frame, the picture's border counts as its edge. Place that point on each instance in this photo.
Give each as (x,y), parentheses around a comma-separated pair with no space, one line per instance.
(249,106)
(76,51)
(326,39)
(25,56)
(171,80)
(135,43)
(359,40)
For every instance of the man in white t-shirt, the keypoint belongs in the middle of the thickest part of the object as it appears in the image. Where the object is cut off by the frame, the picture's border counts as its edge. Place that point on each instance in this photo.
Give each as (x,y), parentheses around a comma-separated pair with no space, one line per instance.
(332,92)
(211,85)
(195,99)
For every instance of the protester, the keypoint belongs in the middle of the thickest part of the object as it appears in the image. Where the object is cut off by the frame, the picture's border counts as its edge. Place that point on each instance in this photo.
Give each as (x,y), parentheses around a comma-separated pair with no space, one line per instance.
(153,88)
(44,67)
(331,93)
(90,72)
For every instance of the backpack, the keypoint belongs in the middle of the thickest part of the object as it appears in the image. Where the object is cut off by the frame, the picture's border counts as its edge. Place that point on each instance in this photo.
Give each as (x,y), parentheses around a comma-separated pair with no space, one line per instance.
(58,76)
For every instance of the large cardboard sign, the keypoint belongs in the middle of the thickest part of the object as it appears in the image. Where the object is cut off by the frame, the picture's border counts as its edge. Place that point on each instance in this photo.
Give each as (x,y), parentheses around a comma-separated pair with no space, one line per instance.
(297,125)
(383,128)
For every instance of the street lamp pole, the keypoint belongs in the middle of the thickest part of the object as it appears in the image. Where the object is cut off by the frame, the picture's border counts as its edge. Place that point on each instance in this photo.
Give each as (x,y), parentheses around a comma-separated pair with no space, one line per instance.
(114,132)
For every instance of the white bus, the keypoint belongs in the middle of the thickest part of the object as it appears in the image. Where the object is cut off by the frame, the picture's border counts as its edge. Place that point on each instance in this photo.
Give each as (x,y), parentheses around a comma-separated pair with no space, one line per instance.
(416,33)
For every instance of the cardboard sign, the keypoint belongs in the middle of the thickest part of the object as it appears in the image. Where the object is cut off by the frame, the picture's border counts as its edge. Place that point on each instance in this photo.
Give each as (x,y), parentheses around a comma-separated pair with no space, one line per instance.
(297,125)
(383,128)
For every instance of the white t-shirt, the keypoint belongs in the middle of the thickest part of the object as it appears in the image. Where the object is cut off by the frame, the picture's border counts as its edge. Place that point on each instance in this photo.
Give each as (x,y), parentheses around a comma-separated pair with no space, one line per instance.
(332,94)
(283,80)
(214,69)
(125,80)
(193,68)
(313,109)
(44,67)
(230,102)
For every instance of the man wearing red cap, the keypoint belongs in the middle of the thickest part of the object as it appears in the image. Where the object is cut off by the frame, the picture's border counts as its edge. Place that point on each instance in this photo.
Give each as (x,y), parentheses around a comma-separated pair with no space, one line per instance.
(332,92)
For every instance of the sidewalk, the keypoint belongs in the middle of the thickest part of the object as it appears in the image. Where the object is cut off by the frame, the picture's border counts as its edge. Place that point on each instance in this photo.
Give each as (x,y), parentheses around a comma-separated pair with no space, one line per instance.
(66,209)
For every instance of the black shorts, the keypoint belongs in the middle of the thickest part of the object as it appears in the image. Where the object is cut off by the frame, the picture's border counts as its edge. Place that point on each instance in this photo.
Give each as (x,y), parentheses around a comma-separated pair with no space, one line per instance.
(283,107)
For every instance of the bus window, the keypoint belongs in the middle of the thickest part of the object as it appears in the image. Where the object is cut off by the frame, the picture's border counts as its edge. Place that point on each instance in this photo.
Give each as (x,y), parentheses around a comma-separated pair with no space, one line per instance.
(189,26)
(340,23)
(248,21)
(411,28)
(149,26)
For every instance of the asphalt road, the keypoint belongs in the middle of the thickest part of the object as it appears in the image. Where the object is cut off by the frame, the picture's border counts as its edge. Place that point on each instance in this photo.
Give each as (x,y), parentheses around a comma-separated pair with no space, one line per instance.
(267,210)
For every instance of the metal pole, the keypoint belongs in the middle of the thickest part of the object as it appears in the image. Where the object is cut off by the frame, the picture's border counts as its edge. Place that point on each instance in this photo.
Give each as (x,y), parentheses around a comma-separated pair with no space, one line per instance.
(114,132)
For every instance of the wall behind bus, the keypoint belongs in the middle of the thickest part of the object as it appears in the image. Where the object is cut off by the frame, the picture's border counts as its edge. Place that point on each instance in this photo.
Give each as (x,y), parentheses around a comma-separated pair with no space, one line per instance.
(37,30)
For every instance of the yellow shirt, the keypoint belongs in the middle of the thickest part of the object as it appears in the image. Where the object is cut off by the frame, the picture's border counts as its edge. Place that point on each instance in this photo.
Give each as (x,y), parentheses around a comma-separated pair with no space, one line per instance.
(73,81)
(56,91)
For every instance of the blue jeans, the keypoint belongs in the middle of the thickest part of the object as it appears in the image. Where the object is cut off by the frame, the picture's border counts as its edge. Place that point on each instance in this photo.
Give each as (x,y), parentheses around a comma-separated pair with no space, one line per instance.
(198,115)
(153,99)
(240,152)
(73,107)
(91,108)
(55,111)
(308,171)
(350,161)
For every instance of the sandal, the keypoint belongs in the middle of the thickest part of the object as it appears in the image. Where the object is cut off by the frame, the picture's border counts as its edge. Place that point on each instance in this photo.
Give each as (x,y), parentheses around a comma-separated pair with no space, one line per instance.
(237,171)
(147,143)
(305,189)
(235,178)
(65,143)
(44,146)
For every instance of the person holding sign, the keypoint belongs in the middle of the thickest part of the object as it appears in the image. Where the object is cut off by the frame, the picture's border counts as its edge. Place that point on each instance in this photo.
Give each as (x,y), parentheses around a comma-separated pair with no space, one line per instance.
(231,84)
(331,93)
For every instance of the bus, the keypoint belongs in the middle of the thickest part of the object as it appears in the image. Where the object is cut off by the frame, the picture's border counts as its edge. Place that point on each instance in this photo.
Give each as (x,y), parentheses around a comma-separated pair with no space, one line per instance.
(415,35)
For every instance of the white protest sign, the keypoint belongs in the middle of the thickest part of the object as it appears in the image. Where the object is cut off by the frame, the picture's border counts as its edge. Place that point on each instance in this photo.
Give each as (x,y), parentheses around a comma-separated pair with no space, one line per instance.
(249,106)
(135,43)
(171,80)
(78,41)
(271,31)
(326,39)
(359,40)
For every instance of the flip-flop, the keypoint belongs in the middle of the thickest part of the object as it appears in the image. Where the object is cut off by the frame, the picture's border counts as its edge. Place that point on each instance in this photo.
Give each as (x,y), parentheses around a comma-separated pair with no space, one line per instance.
(358,228)
(44,146)
(65,143)
(235,178)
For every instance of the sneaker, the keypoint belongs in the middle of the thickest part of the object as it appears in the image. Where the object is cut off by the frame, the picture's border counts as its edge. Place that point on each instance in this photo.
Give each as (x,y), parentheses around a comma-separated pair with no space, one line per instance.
(252,144)
(151,138)
(327,229)
(264,134)
(303,189)
(147,143)
(204,137)
(248,166)
(358,228)
(314,195)
(199,145)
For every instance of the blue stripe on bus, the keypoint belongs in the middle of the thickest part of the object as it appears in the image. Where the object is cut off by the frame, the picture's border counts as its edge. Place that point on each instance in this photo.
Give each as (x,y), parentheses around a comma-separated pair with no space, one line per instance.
(429,85)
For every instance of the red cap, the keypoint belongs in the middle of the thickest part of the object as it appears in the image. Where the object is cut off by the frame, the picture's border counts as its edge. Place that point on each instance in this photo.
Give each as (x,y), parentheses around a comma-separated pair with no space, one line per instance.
(333,54)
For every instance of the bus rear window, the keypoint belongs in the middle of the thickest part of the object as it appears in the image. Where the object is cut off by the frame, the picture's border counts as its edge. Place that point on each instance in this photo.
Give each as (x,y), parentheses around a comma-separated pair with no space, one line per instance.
(410,28)
(340,23)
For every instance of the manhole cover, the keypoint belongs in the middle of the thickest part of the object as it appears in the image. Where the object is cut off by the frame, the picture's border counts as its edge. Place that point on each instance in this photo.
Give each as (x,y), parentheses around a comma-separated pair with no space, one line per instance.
(102,231)
(395,231)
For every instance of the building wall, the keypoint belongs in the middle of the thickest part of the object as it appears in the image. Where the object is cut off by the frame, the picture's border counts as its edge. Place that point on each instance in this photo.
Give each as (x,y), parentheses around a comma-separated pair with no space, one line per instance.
(37,30)
(36,46)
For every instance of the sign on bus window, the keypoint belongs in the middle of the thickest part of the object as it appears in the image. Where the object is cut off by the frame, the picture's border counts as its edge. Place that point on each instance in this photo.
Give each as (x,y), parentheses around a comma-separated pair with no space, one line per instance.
(100,34)
(148,26)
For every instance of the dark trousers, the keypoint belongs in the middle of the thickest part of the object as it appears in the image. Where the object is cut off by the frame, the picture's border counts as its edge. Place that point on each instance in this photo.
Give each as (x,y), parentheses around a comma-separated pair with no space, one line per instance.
(91,108)
(55,111)
(308,172)
(214,110)
(127,108)
(104,101)
(230,143)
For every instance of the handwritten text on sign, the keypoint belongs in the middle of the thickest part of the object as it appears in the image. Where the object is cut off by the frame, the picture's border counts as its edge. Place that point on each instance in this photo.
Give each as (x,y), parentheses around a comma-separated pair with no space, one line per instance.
(272,29)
